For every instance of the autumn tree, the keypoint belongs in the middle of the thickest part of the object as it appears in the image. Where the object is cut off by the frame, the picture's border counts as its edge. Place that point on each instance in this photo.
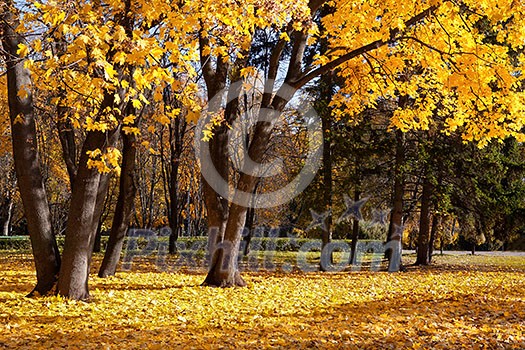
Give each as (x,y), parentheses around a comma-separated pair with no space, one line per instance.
(26,155)
(110,61)
(371,44)
(104,74)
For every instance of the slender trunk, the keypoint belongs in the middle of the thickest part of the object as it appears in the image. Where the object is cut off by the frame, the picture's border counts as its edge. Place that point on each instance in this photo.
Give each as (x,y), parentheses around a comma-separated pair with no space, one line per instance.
(424,224)
(396,216)
(248,228)
(436,220)
(6,230)
(67,140)
(452,232)
(123,209)
(355,225)
(151,194)
(326,235)
(27,160)
(177,132)
(473,248)
(97,246)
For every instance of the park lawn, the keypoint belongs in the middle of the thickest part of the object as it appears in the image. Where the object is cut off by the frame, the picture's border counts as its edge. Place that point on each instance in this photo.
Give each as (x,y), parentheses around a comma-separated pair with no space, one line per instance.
(471,302)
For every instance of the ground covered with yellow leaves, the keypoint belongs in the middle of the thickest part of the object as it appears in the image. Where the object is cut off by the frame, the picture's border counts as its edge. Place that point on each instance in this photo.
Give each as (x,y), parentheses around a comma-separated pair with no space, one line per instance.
(460,302)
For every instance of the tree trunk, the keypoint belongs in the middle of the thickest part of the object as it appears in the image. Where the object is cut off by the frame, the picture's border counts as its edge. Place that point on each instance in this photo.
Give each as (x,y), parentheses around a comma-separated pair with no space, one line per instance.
(326,235)
(97,246)
(123,209)
(87,203)
(26,159)
(424,224)
(436,220)
(248,228)
(452,231)
(67,140)
(396,216)
(6,230)
(177,131)
(355,225)
(224,270)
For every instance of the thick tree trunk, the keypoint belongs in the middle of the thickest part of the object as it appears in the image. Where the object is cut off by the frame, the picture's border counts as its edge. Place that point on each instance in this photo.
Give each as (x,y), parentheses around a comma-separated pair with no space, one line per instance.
(224,270)
(424,224)
(123,209)
(86,207)
(26,159)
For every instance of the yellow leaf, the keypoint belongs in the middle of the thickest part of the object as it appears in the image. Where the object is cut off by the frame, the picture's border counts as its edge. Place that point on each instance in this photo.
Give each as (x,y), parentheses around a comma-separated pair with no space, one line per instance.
(284,36)
(136,103)
(23,50)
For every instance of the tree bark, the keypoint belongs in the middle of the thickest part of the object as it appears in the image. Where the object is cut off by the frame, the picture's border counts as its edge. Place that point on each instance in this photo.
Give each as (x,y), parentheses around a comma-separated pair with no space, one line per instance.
(436,220)
(6,230)
(326,124)
(355,229)
(123,209)
(177,131)
(67,140)
(396,216)
(224,270)
(27,159)
(86,207)
(424,224)
(248,228)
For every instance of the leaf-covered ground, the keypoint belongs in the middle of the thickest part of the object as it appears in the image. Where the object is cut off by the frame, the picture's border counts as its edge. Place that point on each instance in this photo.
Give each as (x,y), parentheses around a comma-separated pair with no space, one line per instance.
(460,302)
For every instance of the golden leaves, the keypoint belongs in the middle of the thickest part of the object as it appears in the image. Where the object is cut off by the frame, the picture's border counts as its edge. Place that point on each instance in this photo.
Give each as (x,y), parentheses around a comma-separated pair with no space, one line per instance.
(462,302)
(105,161)
(464,56)
(23,50)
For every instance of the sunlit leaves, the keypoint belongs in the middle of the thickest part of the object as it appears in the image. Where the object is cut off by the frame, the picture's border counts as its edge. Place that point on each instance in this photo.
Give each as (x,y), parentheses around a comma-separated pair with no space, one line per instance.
(478,302)
(450,56)
(106,161)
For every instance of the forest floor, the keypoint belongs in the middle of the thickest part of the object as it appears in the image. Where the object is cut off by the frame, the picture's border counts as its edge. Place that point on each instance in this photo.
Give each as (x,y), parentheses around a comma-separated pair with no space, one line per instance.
(459,301)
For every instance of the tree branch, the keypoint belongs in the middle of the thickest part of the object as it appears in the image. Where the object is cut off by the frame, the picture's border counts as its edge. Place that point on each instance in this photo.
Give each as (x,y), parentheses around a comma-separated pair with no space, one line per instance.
(205,60)
(359,51)
(314,5)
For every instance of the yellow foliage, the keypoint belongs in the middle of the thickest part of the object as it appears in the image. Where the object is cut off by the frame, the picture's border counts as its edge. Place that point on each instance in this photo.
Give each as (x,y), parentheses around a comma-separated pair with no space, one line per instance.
(470,303)
(107,160)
